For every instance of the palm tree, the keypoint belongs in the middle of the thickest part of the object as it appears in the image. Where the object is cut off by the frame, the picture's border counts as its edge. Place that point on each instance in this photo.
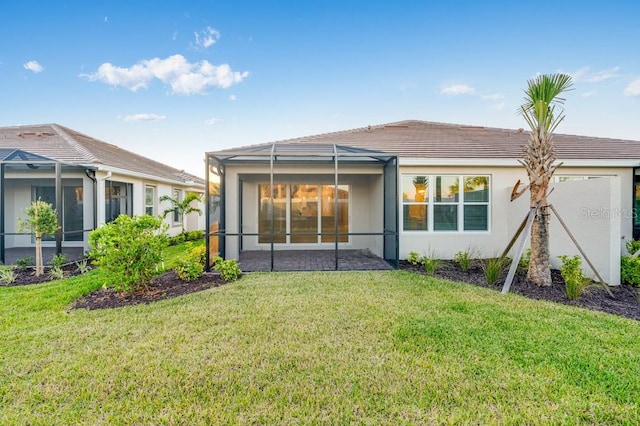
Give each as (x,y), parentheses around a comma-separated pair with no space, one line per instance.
(181,208)
(539,110)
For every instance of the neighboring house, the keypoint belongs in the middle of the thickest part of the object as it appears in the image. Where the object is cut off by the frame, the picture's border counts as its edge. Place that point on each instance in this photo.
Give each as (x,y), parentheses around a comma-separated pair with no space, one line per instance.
(90,182)
(418,186)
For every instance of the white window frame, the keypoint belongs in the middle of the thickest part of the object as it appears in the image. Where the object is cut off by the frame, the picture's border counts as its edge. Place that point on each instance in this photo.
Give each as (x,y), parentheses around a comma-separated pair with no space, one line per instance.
(154,199)
(431,202)
(178,195)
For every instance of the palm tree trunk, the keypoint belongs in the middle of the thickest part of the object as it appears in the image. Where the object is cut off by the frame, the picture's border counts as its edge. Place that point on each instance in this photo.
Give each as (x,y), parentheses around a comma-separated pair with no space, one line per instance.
(539,271)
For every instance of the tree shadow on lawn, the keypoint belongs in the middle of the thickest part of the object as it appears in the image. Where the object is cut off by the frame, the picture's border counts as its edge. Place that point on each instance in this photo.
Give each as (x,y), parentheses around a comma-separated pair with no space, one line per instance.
(625,302)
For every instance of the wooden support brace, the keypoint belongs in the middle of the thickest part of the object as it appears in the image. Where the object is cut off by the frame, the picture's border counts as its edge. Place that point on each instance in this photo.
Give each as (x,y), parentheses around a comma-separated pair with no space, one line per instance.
(519,249)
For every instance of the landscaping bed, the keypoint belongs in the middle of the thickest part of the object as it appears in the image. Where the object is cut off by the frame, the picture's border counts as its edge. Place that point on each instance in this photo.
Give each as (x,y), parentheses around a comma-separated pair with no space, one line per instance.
(625,302)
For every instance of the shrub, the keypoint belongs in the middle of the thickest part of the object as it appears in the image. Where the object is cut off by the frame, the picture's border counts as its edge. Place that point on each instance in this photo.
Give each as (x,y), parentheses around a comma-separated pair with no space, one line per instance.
(59,260)
(632,246)
(82,266)
(188,269)
(229,269)
(199,254)
(191,266)
(129,248)
(413,258)
(574,280)
(56,273)
(23,263)
(463,259)
(194,235)
(493,267)
(430,263)
(630,270)
(7,275)
(176,239)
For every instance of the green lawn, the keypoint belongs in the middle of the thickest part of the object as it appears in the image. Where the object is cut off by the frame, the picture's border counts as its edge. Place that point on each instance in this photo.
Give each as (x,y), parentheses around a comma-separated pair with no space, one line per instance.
(314,348)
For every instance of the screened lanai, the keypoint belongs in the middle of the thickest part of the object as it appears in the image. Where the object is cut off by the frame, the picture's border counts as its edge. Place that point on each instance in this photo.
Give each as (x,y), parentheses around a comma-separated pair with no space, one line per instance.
(302,207)
(25,177)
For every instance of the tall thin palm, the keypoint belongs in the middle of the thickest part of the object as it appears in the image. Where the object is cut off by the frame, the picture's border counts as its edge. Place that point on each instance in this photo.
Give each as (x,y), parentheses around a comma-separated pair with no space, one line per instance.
(542,110)
(181,207)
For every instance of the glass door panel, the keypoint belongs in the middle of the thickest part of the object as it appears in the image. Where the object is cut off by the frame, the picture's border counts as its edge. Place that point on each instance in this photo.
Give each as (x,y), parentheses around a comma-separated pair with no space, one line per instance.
(279,214)
(304,213)
(328,218)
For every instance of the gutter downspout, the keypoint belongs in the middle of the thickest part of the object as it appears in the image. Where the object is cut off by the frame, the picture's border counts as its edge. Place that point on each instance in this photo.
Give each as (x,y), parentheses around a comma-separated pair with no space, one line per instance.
(91,174)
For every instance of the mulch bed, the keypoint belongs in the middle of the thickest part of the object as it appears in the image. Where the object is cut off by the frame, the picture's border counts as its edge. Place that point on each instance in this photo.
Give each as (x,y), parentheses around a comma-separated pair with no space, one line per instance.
(164,286)
(625,303)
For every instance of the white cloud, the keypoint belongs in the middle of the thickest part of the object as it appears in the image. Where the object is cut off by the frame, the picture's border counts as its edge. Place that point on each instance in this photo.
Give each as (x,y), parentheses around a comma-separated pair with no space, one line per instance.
(633,89)
(143,117)
(233,97)
(212,121)
(588,94)
(458,89)
(184,77)
(33,66)
(583,75)
(207,37)
(174,35)
(106,19)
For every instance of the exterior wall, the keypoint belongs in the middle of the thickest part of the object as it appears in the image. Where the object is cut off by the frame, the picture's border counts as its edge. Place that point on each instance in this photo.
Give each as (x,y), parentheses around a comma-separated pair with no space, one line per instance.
(138,198)
(602,237)
(365,204)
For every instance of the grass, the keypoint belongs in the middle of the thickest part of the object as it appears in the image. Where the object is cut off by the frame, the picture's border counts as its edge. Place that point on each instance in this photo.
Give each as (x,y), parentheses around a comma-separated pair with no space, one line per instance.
(314,348)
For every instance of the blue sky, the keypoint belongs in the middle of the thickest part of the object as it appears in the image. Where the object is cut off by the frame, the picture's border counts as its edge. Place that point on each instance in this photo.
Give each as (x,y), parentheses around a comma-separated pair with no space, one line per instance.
(171,80)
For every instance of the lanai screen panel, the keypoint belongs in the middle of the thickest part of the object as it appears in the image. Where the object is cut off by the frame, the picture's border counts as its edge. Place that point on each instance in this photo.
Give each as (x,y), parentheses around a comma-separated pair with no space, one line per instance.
(310,200)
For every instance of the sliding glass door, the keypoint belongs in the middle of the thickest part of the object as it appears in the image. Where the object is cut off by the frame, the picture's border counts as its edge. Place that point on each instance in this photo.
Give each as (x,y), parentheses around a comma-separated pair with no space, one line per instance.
(302,210)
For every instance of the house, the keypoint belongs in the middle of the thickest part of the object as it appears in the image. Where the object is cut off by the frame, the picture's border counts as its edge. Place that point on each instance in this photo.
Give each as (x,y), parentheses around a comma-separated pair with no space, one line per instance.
(434,188)
(90,182)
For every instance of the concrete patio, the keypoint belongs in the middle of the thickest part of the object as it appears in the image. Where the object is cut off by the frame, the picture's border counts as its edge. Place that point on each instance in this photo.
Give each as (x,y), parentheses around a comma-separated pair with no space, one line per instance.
(311,260)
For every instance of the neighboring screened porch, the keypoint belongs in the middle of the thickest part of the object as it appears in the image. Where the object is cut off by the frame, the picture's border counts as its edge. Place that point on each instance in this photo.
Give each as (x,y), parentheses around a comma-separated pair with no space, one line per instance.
(26,177)
(275,205)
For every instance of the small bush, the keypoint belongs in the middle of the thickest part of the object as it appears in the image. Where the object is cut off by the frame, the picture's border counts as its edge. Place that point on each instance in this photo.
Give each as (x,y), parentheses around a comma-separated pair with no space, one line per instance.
(23,263)
(129,249)
(630,270)
(56,273)
(199,254)
(413,258)
(632,246)
(229,269)
(430,264)
(188,269)
(194,235)
(59,260)
(176,239)
(7,276)
(574,280)
(82,266)
(493,267)
(464,259)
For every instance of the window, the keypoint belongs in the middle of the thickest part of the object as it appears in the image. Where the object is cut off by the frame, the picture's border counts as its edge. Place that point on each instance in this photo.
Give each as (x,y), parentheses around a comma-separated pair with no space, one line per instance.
(303,211)
(150,200)
(72,209)
(177,195)
(437,203)
(117,199)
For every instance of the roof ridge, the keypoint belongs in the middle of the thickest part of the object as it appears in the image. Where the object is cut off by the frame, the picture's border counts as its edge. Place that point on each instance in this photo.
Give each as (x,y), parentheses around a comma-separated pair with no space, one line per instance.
(77,145)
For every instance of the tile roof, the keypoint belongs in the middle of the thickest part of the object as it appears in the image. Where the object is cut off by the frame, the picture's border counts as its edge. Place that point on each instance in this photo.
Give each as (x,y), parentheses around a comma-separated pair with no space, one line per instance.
(71,147)
(424,139)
